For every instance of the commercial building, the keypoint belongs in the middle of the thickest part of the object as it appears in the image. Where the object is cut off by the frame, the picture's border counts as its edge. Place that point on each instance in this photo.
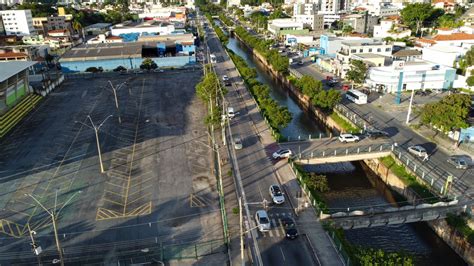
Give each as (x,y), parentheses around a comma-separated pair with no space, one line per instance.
(444,55)
(14,83)
(98,28)
(361,23)
(414,75)
(276,26)
(17,22)
(149,27)
(109,56)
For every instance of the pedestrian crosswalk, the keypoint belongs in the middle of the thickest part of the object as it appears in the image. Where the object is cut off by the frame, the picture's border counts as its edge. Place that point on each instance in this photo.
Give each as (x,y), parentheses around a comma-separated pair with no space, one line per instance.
(277,228)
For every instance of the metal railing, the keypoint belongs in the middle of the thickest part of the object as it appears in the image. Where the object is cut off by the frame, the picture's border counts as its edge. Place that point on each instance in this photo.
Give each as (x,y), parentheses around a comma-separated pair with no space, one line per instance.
(345,151)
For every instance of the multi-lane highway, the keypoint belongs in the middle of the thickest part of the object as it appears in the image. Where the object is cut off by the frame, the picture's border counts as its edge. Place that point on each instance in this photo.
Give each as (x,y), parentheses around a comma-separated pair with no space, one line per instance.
(255,168)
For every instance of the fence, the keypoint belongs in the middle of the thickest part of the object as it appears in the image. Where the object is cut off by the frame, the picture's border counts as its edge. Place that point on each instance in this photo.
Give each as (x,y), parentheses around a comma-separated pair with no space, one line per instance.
(342,151)
(428,172)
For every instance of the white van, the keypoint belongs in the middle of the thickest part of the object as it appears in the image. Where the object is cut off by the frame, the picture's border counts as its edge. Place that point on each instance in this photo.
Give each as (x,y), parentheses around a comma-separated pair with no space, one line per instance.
(230,112)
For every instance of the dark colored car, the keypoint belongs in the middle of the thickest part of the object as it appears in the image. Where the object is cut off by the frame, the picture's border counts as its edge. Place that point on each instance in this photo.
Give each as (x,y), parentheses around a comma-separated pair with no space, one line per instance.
(376,134)
(290,228)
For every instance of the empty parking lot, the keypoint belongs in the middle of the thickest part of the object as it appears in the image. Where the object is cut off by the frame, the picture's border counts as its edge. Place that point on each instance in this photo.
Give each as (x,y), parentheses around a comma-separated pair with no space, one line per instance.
(157,190)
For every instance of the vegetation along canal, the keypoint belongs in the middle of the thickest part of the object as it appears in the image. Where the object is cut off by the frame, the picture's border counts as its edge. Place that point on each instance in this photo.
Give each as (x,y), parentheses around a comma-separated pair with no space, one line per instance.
(352,184)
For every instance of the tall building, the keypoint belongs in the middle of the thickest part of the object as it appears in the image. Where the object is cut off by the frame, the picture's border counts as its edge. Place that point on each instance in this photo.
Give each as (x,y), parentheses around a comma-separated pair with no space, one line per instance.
(18,22)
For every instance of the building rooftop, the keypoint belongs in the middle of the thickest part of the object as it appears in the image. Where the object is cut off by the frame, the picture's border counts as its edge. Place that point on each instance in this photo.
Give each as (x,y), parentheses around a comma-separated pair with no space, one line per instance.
(459,36)
(363,42)
(407,52)
(145,24)
(98,26)
(103,51)
(8,69)
(369,56)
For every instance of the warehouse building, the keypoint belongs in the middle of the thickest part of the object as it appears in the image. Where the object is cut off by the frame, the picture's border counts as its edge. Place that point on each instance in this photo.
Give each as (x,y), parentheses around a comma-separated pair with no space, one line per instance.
(14,83)
(108,56)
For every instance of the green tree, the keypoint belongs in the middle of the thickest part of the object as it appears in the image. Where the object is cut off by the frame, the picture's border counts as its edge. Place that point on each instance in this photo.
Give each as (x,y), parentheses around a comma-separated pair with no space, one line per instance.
(327,99)
(449,21)
(450,113)
(417,14)
(382,258)
(470,81)
(277,13)
(317,182)
(347,29)
(357,72)
(148,64)
(309,86)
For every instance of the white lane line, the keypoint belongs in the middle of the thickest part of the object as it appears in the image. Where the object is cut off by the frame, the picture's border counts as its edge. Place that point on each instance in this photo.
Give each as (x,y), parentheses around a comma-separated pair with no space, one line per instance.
(281,228)
(270,233)
(282,254)
(274,224)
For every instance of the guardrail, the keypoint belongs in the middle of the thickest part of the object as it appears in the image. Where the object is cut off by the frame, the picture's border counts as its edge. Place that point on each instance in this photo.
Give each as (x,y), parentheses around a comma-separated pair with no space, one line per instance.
(427,171)
(345,151)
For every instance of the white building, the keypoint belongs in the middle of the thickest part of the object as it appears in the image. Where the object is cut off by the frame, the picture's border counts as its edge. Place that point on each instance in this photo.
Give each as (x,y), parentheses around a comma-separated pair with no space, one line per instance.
(275,26)
(443,55)
(389,28)
(10,2)
(18,22)
(147,27)
(414,75)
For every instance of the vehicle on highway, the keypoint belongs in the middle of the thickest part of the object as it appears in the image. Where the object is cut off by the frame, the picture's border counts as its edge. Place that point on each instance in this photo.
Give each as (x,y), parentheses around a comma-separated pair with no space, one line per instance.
(300,63)
(230,112)
(276,194)
(458,162)
(213,58)
(356,96)
(282,153)
(375,134)
(238,143)
(158,70)
(418,151)
(138,72)
(263,222)
(290,227)
(226,80)
(344,138)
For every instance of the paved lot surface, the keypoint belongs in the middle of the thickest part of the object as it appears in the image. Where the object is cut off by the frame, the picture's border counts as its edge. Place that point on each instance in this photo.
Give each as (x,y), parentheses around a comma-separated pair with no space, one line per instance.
(158,189)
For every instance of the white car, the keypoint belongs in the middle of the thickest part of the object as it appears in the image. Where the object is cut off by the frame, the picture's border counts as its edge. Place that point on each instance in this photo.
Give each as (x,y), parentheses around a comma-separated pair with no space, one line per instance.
(238,143)
(230,112)
(458,162)
(263,222)
(225,78)
(418,151)
(348,138)
(282,153)
(276,194)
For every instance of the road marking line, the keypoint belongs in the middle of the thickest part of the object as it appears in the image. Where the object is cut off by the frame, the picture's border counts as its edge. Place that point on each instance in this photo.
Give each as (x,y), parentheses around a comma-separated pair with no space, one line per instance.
(277,233)
(284,259)
(270,232)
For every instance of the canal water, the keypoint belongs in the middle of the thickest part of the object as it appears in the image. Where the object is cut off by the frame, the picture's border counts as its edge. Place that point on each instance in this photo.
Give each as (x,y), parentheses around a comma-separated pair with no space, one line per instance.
(353,184)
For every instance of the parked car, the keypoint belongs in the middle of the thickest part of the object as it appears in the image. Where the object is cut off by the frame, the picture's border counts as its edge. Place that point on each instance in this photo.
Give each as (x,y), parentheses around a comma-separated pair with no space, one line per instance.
(282,153)
(230,112)
(276,194)
(417,150)
(458,162)
(238,143)
(263,222)
(158,70)
(344,138)
(290,227)
(375,134)
(225,78)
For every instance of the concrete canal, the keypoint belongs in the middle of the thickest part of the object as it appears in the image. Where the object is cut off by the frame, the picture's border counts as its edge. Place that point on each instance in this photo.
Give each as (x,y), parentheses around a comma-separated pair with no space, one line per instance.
(354,184)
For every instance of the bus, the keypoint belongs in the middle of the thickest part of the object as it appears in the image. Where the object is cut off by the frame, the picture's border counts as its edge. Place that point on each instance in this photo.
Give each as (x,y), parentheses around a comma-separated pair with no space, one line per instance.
(356,96)
(213,59)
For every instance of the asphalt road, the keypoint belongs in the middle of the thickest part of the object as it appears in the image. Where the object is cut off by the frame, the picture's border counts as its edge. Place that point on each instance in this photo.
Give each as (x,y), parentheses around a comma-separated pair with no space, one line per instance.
(257,173)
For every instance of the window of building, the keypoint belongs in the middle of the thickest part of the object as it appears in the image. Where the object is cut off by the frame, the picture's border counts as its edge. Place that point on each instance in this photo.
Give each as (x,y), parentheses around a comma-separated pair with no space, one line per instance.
(379,49)
(370,50)
(361,50)
(387,49)
(353,50)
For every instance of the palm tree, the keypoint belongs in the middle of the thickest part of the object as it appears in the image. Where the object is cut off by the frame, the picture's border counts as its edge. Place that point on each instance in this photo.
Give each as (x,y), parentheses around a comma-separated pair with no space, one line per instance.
(76,25)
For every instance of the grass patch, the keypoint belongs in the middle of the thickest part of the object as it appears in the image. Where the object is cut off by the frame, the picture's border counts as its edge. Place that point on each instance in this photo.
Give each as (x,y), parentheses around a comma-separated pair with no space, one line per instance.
(235,210)
(460,224)
(409,179)
(346,126)
(306,178)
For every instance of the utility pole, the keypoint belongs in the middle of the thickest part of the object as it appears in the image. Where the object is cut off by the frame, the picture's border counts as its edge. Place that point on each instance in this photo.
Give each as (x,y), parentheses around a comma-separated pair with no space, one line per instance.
(241,232)
(36,249)
(54,217)
(96,130)
(410,106)
(114,90)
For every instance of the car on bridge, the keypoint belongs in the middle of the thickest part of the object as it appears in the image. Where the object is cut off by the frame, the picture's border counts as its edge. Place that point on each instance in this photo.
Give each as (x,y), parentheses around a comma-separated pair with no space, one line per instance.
(417,150)
(376,134)
(344,138)
(282,153)
(458,162)
(263,222)
(276,194)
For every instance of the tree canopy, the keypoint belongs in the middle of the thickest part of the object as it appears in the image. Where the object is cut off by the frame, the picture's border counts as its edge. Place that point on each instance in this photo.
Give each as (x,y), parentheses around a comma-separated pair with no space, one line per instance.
(314,90)
(357,72)
(148,64)
(418,14)
(450,113)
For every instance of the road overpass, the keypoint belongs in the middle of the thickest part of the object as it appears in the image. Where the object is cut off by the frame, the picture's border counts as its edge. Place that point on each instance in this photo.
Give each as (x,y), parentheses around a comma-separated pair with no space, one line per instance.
(331,150)
(372,217)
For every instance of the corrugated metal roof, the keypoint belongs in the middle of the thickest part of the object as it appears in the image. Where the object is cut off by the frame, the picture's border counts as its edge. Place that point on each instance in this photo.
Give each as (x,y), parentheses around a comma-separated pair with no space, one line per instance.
(8,69)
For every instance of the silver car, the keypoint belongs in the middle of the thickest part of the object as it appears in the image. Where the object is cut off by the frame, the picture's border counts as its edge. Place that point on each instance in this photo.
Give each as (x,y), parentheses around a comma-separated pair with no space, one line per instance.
(276,194)
(458,162)
(238,143)
(263,222)
(418,151)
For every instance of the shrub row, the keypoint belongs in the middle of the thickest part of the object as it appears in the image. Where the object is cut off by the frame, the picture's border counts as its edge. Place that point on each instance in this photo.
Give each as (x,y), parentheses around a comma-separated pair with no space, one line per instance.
(278,116)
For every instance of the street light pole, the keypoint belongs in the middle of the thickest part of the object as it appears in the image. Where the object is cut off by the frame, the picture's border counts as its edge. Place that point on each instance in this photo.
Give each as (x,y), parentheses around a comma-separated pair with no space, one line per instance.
(114,90)
(54,216)
(410,107)
(96,130)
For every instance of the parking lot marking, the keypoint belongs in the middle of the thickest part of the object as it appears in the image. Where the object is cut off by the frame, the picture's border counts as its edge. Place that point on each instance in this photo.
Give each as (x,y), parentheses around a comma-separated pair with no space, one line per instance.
(11,228)
(195,201)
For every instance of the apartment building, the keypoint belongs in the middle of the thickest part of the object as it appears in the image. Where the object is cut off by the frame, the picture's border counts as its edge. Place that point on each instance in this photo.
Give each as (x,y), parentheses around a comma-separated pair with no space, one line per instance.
(18,22)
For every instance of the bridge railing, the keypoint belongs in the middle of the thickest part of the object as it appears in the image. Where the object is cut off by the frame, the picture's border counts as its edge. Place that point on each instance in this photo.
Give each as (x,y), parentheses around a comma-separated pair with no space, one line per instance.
(428,171)
(345,151)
